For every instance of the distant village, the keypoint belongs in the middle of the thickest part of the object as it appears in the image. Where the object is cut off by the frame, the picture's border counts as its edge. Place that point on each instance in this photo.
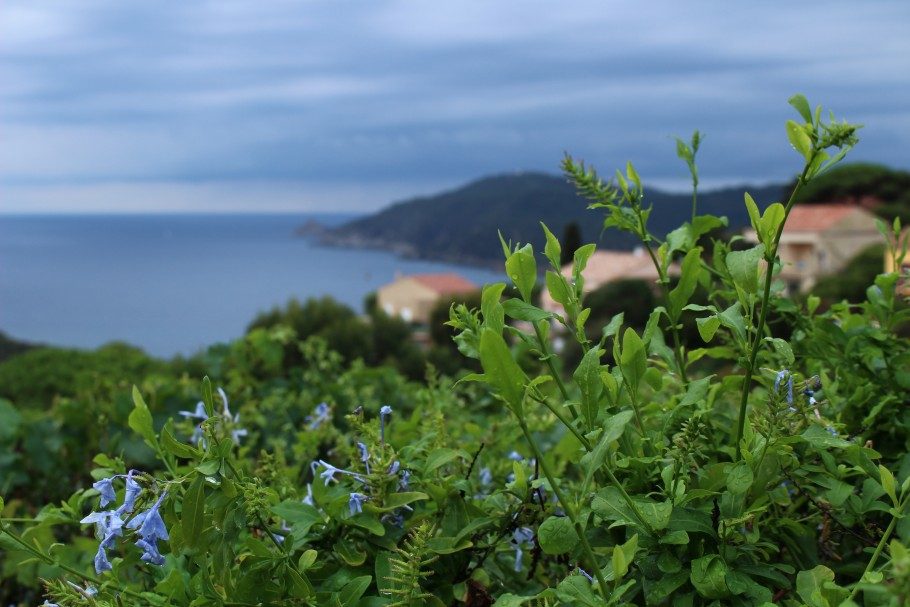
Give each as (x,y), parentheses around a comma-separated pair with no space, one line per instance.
(819,240)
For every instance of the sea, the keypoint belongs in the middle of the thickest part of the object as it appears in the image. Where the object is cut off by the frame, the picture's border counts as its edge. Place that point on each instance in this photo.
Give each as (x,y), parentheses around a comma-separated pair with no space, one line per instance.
(175,284)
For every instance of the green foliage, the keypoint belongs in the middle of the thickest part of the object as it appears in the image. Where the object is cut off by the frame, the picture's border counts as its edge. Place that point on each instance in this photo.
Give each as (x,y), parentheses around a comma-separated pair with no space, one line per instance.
(629,477)
(376,339)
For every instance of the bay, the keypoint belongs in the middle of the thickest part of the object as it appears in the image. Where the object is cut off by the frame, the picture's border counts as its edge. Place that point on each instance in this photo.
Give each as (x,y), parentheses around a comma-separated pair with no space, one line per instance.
(173,284)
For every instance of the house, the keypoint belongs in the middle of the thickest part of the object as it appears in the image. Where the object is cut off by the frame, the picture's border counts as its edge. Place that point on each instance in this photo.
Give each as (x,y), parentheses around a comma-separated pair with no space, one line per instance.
(413,297)
(608,266)
(902,266)
(820,239)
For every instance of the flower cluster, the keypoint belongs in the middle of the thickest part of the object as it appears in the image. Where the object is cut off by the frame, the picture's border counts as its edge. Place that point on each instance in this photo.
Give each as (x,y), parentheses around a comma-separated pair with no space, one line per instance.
(109,524)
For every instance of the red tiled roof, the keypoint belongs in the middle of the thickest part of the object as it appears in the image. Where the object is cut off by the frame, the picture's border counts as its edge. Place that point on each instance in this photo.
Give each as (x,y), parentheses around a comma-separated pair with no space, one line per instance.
(817,217)
(445,284)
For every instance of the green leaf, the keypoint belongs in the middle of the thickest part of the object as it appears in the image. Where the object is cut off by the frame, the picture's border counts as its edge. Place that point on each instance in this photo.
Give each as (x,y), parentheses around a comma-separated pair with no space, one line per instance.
(580,258)
(691,521)
(191,520)
(501,369)
(587,376)
(556,285)
(744,267)
(817,588)
(440,457)
(820,438)
(783,349)
(799,139)
(614,325)
(521,310)
(887,481)
(801,104)
(140,419)
(492,310)
(688,280)
(209,467)
(208,398)
(740,478)
(633,359)
(552,249)
(613,428)
(301,516)
(397,500)
(707,327)
(754,216)
(175,447)
(708,573)
(771,220)
(350,593)
(557,535)
(522,269)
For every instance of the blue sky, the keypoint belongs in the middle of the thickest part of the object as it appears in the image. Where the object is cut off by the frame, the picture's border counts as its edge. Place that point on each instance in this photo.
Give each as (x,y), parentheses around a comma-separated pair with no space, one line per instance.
(347,105)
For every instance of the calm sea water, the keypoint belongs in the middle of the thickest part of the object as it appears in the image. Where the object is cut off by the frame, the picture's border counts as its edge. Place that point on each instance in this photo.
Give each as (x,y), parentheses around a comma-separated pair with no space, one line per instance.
(173,283)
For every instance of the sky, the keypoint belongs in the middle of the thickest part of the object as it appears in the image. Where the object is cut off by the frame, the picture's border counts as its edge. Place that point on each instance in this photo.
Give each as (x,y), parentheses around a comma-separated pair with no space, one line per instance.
(342,105)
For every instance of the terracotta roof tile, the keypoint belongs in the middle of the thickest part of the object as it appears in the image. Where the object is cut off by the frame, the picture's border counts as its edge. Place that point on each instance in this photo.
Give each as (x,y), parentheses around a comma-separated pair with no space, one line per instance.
(817,217)
(445,284)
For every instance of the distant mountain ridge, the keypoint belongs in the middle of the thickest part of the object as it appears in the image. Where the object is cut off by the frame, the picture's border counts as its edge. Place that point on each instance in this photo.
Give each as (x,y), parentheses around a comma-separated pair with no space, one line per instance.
(460,225)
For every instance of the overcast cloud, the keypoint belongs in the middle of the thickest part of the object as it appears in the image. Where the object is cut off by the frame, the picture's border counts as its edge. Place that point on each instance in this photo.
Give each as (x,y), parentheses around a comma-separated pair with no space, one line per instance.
(344,105)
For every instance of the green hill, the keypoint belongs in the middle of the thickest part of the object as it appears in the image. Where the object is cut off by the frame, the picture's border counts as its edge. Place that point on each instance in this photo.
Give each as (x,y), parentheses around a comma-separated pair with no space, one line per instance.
(460,225)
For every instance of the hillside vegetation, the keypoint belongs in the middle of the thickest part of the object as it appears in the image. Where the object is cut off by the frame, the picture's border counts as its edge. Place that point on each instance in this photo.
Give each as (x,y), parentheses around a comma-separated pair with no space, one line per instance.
(461,225)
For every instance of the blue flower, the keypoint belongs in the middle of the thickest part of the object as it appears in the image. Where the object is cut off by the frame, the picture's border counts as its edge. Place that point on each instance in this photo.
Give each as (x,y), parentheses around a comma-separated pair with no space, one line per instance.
(107,523)
(404,480)
(105,487)
(585,573)
(150,552)
(384,412)
(320,415)
(521,536)
(101,562)
(515,456)
(308,500)
(486,477)
(394,467)
(780,377)
(364,455)
(831,430)
(330,471)
(199,414)
(46,603)
(133,489)
(150,525)
(355,502)
(88,592)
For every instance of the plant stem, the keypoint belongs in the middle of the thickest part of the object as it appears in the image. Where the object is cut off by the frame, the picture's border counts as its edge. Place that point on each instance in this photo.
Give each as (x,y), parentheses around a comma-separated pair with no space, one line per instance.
(548,358)
(665,287)
(879,548)
(770,257)
(570,512)
(566,422)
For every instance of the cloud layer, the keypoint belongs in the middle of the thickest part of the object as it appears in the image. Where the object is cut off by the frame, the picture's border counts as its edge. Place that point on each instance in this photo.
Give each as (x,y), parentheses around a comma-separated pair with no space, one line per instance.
(346,105)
